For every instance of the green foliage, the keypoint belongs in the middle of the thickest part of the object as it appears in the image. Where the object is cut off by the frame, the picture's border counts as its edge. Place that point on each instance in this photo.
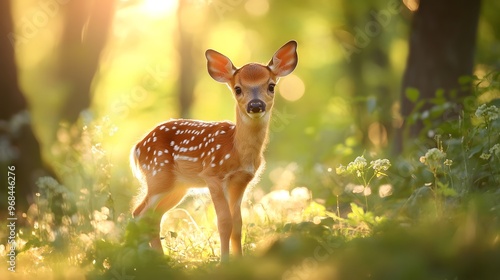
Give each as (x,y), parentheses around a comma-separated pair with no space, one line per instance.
(412,94)
(358,216)
(435,216)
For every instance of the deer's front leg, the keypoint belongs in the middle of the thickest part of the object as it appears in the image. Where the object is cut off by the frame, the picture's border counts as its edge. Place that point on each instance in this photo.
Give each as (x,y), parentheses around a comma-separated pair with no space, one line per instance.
(237,223)
(224,220)
(237,186)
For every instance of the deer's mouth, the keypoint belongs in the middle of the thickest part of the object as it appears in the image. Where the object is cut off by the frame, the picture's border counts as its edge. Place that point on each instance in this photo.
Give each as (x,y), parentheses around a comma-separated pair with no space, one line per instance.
(256,115)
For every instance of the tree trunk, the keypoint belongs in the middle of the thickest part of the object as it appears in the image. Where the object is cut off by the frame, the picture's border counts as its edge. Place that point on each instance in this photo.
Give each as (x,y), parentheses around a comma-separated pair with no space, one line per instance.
(186,64)
(19,148)
(86,29)
(441,49)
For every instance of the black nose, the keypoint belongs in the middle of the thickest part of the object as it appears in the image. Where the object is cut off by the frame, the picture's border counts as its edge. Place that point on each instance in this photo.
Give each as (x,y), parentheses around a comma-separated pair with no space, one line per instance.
(256,106)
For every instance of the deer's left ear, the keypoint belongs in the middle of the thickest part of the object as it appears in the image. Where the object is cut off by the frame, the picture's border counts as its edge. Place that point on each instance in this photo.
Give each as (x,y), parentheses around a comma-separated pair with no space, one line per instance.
(284,60)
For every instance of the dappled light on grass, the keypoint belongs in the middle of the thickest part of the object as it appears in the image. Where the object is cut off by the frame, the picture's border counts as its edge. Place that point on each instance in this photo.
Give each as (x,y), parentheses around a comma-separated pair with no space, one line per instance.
(190,233)
(288,231)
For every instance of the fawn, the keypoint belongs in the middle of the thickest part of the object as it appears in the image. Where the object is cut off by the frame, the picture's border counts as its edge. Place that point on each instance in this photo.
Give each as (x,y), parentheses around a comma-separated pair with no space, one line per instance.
(226,157)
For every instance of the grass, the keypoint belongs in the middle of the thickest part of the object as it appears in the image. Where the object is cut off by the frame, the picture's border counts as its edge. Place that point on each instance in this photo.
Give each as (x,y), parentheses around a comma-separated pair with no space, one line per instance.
(432,213)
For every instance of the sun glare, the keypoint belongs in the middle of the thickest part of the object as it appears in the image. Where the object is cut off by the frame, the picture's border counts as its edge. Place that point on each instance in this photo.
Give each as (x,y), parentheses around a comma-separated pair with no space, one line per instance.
(292,88)
(160,7)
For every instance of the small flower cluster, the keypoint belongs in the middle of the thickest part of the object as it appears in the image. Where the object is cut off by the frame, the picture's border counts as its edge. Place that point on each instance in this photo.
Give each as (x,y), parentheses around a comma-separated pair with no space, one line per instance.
(434,158)
(49,185)
(489,113)
(355,166)
(10,130)
(495,151)
(358,165)
(380,165)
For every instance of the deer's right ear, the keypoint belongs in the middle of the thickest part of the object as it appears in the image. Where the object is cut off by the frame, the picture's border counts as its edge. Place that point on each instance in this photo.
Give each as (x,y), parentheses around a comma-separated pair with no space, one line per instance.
(219,66)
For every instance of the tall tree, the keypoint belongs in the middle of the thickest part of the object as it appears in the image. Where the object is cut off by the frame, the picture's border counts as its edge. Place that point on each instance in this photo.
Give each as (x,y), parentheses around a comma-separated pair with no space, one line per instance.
(19,148)
(363,48)
(442,43)
(190,23)
(86,29)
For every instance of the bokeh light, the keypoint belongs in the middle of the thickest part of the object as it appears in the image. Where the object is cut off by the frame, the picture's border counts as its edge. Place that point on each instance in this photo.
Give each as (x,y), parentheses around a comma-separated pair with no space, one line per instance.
(412,5)
(159,8)
(257,7)
(292,88)
(377,133)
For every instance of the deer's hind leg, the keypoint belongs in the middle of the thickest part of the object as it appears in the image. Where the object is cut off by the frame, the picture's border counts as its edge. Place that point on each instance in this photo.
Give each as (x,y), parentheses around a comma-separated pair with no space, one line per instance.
(162,196)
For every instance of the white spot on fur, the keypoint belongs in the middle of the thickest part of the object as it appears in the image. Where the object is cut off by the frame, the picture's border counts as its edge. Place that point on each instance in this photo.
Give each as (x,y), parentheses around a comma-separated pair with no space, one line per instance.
(192,159)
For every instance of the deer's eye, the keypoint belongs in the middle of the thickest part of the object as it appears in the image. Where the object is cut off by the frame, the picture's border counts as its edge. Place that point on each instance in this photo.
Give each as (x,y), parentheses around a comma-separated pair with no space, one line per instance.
(237,90)
(271,88)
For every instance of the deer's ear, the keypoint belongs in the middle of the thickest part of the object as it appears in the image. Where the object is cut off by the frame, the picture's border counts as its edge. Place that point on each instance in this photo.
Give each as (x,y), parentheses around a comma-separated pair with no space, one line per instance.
(219,66)
(284,60)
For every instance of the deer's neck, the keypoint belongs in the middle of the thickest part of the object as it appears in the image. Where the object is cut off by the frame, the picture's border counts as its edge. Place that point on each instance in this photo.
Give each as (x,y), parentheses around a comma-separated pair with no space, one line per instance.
(251,137)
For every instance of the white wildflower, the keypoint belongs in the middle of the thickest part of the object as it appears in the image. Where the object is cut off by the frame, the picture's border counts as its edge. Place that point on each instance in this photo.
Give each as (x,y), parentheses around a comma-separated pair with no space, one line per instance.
(495,150)
(485,156)
(357,165)
(489,113)
(433,158)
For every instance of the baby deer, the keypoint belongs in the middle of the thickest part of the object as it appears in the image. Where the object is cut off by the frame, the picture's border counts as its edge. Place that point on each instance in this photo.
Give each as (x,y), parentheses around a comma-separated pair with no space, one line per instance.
(226,157)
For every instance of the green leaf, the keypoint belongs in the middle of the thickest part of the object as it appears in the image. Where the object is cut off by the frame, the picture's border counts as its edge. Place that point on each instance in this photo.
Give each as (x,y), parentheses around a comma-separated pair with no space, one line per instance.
(412,94)
(465,80)
(315,209)
(440,93)
(445,190)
